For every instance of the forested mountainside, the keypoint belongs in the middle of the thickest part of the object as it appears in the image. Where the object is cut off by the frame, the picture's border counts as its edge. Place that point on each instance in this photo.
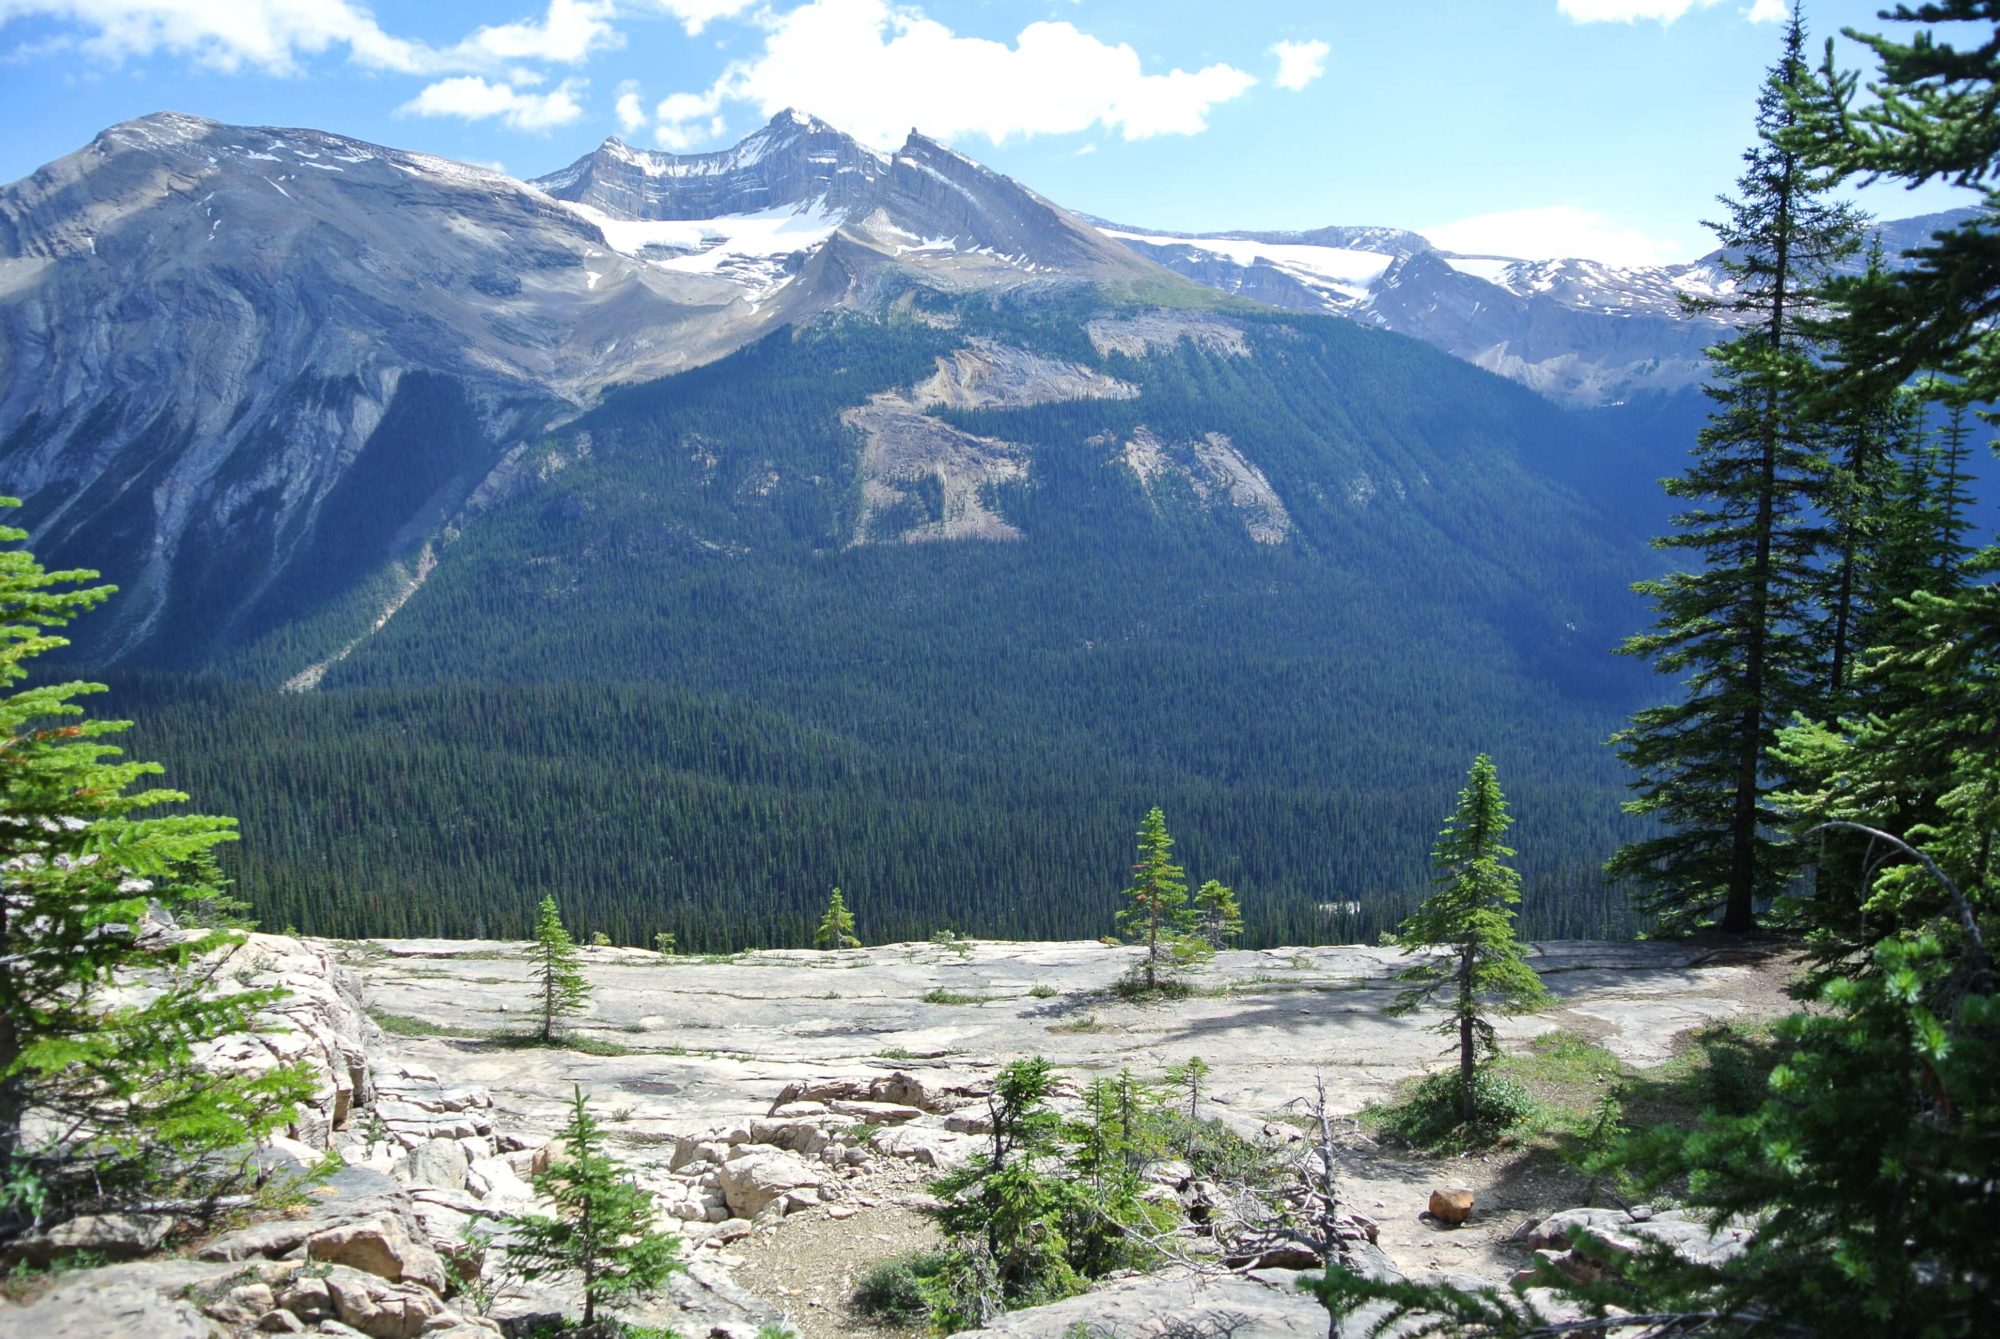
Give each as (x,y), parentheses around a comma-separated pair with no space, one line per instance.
(861,605)
(959,536)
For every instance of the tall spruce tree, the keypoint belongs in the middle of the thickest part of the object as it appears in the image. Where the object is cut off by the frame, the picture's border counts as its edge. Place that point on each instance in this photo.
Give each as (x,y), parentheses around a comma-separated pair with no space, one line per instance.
(101,1101)
(1739,627)
(1470,915)
(557,971)
(1868,425)
(1157,915)
(1923,763)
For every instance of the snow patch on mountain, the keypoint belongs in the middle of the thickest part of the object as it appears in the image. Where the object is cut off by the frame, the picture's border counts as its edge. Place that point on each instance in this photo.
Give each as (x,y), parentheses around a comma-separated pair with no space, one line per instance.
(1348,274)
(702,246)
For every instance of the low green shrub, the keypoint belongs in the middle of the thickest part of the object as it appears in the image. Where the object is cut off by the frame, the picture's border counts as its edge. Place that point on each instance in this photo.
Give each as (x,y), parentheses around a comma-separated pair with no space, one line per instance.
(1430,1117)
(893,1291)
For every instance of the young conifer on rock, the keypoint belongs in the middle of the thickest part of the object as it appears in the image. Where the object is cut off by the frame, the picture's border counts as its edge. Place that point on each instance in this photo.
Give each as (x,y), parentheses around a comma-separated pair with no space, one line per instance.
(1470,915)
(102,1104)
(836,926)
(1157,915)
(1218,914)
(557,970)
(601,1234)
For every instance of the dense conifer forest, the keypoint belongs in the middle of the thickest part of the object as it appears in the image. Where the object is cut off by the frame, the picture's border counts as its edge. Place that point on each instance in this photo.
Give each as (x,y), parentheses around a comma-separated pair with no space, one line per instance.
(662,682)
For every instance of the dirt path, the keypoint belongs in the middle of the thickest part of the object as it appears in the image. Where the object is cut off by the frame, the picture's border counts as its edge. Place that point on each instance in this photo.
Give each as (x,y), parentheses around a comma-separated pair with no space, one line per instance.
(811,1263)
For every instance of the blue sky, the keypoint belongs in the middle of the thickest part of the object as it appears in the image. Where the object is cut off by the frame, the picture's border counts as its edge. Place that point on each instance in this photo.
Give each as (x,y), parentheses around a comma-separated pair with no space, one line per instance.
(1527,127)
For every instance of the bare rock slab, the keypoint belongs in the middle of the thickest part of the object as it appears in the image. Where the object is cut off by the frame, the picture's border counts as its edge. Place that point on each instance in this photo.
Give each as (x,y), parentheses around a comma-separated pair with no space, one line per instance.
(1267,1304)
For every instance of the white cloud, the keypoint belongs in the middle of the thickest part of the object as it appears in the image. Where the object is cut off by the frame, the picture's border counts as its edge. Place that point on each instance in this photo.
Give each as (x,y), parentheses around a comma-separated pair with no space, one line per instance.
(473,99)
(275,35)
(630,110)
(1299,63)
(686,119)
(263,34)
(1554,231)
(876,71)
(570,31)
(1628,11)
(698,14)
(1768,11)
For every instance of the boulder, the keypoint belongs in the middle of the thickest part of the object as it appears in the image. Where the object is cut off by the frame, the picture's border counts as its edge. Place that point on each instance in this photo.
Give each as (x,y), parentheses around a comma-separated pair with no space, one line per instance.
(763,1175)
(897,1089)
(901,1089)
(1629,1233)
(435,1162)
(494,1181)
(381,1246)
(148,1299)
(926,1146)
(307,1297)
(877,1113)
(1452,1205)
(110,1236)
(379,1307)
(1267,1304)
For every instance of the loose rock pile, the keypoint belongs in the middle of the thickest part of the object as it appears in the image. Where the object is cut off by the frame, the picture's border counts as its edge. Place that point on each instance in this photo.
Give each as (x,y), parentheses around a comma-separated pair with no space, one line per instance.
(810,1149)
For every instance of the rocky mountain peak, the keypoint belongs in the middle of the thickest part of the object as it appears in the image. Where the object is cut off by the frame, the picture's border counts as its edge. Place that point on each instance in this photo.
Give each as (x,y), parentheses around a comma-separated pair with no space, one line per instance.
(794,161)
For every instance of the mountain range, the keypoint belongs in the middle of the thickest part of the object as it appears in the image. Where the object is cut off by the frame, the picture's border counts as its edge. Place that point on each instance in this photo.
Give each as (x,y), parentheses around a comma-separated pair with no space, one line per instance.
(885,522)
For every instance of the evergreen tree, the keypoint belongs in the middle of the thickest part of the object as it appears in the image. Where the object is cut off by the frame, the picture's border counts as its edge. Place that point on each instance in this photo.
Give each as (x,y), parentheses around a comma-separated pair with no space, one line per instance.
(1157,915)
(208,897)
(1216,912)
(1470,915)
(602,1232)
(836,926)
(1930,116)
(1012,1200)
(557,971)
(101,1101)
(1867,1170)
(1739,627)
(1923,763)
(1868,425)
(1109,1145)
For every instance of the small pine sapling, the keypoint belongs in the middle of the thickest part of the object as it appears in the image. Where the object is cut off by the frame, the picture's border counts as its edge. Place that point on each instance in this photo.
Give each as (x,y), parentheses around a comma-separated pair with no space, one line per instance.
(601,1233)
(1218,914)
(1470,916)
(836,925)
(1157,915)
(557,970)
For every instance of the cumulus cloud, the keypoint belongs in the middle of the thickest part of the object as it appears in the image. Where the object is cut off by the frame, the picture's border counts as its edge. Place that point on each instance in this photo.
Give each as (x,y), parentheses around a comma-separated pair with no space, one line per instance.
(631,111)
(698,14)
(570,31)
(276,35)
(1554,231)
(264,34)
(876,71)
(1299,63)
(1664,11)
(471,98)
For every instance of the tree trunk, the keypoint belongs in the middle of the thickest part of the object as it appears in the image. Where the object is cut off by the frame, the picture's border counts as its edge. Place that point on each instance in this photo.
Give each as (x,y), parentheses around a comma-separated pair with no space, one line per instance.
(1152,946)
(1467,1101)
(589,1261)
(13,1097)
